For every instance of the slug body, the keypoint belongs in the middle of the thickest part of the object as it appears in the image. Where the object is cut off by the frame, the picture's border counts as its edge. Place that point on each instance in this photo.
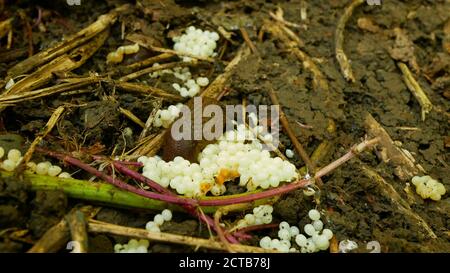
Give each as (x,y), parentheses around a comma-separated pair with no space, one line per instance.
(189,149)
(118,55)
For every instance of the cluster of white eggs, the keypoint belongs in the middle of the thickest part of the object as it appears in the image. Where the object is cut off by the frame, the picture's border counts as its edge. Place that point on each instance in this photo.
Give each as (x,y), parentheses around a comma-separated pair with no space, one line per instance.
(46,168)
(254,165)
(314,243)
(165,117)
(179,174)
(427,187)
(158,220)
(133,246)
(196,42)
(255,130)
(319,238)
(229,158)
(189,87)
(283,243)
(261,215)
(14,158)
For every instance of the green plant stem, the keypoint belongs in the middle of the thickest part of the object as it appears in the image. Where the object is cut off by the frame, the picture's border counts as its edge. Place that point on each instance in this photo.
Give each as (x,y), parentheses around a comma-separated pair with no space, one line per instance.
(106,193)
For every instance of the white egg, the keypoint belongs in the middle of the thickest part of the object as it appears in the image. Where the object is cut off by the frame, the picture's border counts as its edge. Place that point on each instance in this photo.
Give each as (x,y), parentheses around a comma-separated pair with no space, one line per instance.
(301,240)
(8,165)
(284,234)
(314,214)
(318,225)
(294,231)
(309,229)
(14,155)
(158,219)
(64,175)
(328,233)
(54,170)
(265,242)
(42,168)
(167,215)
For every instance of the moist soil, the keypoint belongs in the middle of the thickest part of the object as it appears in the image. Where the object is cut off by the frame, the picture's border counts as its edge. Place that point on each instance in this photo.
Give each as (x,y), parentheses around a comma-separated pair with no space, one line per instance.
(356,207)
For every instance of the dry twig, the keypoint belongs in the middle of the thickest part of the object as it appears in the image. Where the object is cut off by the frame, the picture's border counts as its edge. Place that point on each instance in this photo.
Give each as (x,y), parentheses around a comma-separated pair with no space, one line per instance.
(405,168)
(415,88)
(297,145)
(293,43)
(47,129)
(57,236)
(247,40)
(102,227)
(77,225)
(132,116)
(63,63)
(102,23)
(215,88)
(396,199)
(150,119)
(148,70)
(73,84)
(147,90)
(342,59)
(224,211)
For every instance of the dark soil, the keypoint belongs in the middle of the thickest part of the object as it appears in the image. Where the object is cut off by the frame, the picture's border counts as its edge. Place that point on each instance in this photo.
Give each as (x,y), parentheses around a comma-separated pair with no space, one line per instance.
(356,207)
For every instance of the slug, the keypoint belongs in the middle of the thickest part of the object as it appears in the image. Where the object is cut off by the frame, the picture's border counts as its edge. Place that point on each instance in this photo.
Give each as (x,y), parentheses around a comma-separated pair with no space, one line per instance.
(118,55)
(189,149)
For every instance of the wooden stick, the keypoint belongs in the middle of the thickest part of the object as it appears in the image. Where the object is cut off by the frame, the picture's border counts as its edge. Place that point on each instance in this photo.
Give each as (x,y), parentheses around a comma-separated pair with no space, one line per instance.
(147,90)
(297,145)
(397,200)
(77,225)
(247,40)
(184,54)
(102,227)
(224,211)
(293,43)
(147,70)
(103,22)
(146,42)
(215,88)
(47,129)
(11,99)
(415,88)
(150,119)
(53,239)
(147,62)
(342,59)
(405,168)
(57,236)
(132,117)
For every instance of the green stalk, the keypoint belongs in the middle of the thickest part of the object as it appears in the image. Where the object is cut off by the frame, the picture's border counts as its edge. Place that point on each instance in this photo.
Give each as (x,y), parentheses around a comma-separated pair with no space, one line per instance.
(109,194)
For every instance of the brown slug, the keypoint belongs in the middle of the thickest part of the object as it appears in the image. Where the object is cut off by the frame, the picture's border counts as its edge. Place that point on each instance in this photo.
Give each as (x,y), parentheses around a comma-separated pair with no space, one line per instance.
(189,149)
